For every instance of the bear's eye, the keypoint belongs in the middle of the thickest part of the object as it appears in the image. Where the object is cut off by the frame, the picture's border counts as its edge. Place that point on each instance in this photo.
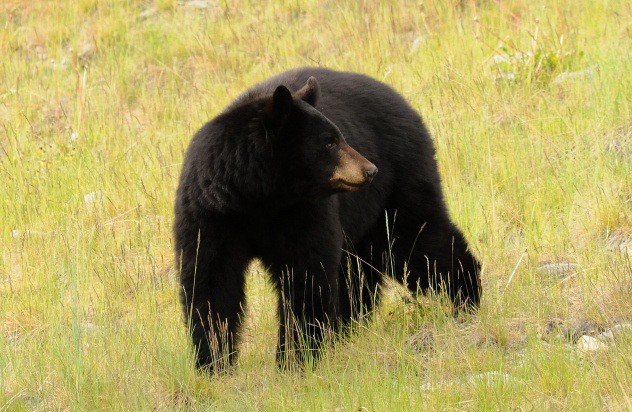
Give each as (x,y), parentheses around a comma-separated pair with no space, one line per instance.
(330,146)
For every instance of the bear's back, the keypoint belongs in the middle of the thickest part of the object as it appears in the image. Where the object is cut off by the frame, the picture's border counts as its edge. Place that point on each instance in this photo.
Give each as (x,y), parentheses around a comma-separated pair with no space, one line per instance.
(351,92)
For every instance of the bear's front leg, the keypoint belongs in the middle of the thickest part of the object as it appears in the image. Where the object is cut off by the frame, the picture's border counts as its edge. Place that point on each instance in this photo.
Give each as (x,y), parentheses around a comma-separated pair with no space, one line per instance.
(308,295)
(212,265)
(308,310)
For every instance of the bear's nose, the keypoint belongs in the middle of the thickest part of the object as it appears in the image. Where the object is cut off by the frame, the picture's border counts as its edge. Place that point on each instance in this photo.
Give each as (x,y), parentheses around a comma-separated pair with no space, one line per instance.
(370,173)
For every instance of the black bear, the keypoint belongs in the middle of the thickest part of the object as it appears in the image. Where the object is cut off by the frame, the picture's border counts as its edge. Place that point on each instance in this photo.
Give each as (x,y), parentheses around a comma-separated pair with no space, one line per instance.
(288,174)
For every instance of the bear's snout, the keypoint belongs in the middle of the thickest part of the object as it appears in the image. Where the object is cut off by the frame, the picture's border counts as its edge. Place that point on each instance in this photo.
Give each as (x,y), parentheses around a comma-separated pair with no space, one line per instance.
(353,170)
(370,173)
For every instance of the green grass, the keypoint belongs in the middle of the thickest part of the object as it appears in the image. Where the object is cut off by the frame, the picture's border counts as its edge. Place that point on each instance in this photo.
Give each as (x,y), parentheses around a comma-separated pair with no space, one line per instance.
(95,98)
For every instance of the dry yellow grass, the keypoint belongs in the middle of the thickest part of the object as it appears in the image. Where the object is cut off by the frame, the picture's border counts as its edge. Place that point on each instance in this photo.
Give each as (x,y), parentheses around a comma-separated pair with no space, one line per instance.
(529,106)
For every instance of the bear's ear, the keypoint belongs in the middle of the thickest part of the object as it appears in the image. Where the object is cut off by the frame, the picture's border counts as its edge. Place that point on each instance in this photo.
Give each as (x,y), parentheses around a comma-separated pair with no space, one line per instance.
(278,109)
(310,92)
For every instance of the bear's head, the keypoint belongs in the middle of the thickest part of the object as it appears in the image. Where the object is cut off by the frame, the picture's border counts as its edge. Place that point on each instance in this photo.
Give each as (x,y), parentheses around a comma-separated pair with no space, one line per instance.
(309,148)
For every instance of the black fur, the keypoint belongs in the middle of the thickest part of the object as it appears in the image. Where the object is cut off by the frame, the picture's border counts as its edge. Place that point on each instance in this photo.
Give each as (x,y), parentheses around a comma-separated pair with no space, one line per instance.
(254,184)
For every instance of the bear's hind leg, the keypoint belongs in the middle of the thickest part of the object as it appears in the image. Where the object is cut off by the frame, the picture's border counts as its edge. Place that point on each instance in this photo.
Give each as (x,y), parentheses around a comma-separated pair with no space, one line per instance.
(434,254)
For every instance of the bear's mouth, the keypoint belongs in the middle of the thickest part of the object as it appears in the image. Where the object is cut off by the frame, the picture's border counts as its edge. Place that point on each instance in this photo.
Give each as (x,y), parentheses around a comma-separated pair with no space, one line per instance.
(347,186)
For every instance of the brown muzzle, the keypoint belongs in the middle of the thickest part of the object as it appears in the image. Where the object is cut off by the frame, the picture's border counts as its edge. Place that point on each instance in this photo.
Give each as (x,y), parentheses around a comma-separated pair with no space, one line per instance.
(353,170)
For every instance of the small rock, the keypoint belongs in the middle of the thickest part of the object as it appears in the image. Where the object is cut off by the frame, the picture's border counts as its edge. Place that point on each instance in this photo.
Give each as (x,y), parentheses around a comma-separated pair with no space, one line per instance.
(88,326)
(615,332)
(581,328)
(606,336)
(506,76)
(416,44)
(90,199)
(147,13)
(566,76)
(619,241)
(621,329)
(589,344)
(427,386)
(500,58)
(559,270)
(490,378)
(431,386)
(196,4)
(16,233)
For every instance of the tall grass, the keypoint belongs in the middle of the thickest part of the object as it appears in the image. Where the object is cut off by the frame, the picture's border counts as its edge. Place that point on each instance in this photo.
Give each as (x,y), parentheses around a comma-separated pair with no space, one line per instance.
(529,104)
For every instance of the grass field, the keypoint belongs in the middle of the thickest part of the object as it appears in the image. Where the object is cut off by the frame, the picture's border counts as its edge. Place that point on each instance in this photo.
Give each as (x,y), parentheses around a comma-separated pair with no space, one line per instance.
(530,108)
